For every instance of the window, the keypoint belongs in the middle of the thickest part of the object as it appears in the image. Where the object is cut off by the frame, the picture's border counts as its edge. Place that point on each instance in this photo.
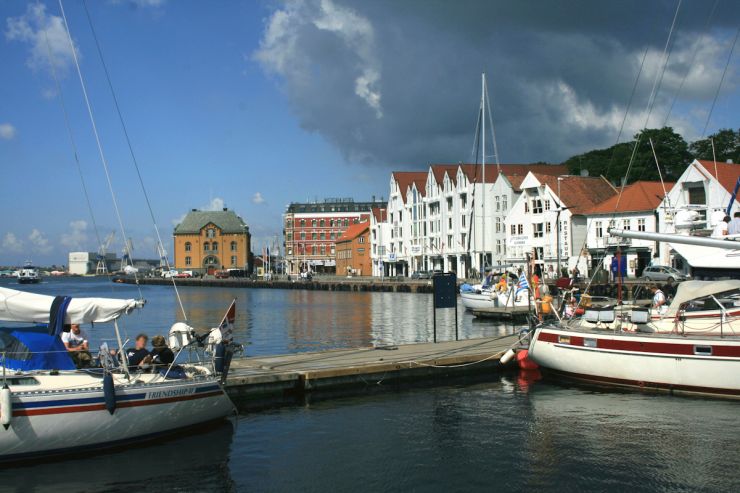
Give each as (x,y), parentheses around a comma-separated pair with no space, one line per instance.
(289,237)
(463,240)
(526,206)
(626,224)
(188,261)
(548,227)
(520,229)
(332,235)
(323,249)
(314,236)
(697,195)
(313,250)
(210,233)
(449,242)
(504,206)
(333,250)
(513,229)
(599,229)
(361,239)
(233,244)
(537,206)
(303,235)
(233,260)
(188,246)
(322,236)
(303,223)
(547,204)
(498,203)
(498,247)
(537,230)
(346,223)
(449,223)
(449,203)
(463,200)
(321,223)
(206,247)
(215,246)
(641,225)
(313,223)
(498,224)
(462,220)
(290,251)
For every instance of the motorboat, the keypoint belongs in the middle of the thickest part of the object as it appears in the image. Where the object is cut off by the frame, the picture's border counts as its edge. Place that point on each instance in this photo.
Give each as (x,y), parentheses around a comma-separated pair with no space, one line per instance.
(48,407)
(28,274)
(483,299)
(692,347)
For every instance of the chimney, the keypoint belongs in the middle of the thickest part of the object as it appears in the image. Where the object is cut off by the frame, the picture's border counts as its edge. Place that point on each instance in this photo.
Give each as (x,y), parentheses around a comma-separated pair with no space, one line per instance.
(226,209)
(729,161)
(194,210)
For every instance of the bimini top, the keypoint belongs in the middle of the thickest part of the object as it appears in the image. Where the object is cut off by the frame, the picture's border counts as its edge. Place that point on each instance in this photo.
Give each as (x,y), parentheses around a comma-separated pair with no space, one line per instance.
(692,290)
(20,306)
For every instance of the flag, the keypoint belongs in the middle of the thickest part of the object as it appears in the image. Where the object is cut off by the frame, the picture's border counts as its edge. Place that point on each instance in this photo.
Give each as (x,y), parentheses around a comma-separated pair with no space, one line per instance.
(523,284)
(227,324)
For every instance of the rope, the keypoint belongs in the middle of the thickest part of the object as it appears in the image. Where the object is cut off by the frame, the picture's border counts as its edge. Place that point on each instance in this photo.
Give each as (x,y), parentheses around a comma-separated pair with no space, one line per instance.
(135,162)
(721,80)
(98,142)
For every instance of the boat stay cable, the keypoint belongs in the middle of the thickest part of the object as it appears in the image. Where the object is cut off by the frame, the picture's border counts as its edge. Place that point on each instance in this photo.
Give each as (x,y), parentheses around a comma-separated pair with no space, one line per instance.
(719,86)
(160,243)
(103,159)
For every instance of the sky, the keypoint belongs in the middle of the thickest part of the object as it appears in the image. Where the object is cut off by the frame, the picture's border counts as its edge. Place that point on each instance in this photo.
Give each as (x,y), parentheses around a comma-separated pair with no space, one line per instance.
(251,105)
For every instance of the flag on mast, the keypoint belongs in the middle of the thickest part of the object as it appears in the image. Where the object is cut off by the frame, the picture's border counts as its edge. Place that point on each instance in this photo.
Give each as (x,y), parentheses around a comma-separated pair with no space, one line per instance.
(227,324)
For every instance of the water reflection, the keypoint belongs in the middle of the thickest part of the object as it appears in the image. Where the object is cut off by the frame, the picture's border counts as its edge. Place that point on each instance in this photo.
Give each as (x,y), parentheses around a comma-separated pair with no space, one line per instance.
(196,462)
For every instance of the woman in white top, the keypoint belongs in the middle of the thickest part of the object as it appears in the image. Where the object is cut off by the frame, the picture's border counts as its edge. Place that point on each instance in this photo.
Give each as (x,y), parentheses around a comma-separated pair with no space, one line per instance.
(720,229)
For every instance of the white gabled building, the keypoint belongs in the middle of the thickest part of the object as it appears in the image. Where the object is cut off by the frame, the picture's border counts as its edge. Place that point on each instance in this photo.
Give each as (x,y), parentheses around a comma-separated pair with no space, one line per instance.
(379,229)
(536,226)
(634,210)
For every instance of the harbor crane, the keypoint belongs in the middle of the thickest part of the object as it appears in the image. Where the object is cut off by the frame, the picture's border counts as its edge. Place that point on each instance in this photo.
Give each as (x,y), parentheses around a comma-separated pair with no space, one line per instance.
(102,267)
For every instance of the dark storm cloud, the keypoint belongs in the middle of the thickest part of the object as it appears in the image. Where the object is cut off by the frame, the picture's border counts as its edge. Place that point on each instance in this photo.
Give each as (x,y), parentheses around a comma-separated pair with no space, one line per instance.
(398,83)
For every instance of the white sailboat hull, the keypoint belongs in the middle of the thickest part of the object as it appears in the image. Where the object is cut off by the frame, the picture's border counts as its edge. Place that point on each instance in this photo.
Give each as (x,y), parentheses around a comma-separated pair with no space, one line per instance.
(690,365)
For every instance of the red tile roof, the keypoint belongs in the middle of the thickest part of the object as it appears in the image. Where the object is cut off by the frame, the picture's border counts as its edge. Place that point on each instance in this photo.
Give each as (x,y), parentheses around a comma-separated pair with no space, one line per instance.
(579,193)
(353,231)
(640,196)
(474,172)
(406,178)
(727,173)
(439,170)
(380,214)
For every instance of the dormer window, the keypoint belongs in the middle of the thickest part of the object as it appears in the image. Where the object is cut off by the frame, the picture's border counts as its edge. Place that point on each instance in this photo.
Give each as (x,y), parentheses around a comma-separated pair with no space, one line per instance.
(210,233)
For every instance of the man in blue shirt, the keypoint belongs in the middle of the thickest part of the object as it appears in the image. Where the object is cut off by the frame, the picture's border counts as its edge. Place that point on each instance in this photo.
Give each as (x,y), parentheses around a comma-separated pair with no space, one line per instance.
(137,356)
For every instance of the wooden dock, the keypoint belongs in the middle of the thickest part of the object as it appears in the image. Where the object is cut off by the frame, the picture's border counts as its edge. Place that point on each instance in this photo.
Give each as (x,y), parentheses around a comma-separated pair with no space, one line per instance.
(255,382)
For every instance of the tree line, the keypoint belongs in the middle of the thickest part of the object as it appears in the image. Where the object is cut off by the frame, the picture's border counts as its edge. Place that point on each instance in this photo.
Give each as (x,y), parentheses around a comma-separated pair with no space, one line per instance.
(671,149)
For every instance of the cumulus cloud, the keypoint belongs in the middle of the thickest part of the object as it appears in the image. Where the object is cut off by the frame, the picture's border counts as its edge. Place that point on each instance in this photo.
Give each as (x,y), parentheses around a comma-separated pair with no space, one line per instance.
(401,86)
(7,131)
(12,243)
(46,36)
(76,237)
(258,199)
(39,242)
(216,204)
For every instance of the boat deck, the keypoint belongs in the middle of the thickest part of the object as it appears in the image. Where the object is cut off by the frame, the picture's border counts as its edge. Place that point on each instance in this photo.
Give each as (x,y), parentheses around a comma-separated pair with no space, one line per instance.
(510,313)
(267,380)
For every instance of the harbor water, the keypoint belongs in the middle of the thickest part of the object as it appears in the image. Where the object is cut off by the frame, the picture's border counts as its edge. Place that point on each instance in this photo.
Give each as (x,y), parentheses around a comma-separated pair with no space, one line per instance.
(507,433)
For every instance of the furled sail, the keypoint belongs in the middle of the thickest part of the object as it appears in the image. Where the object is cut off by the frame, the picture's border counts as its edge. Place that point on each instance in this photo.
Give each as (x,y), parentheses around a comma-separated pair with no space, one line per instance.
(20,306)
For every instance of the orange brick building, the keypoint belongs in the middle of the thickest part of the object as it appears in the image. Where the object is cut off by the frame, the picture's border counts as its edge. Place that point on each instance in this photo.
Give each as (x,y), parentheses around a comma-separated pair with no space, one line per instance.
(206,241)
(353,251)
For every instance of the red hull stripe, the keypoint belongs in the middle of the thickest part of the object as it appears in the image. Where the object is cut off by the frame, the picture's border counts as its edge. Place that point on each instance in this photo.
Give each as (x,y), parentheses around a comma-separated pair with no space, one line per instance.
(622,344)
(644,385)
(101,407)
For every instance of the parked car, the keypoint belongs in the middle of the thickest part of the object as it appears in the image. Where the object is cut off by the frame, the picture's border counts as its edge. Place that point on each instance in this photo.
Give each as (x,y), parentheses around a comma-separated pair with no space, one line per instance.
(169,274)
(663,273)
(184,274)
(222,274)
(421,274)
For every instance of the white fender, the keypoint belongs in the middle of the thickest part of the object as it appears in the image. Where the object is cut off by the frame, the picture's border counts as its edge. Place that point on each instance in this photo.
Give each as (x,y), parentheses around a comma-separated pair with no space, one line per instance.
(6,407)
(180,335)
(508,356)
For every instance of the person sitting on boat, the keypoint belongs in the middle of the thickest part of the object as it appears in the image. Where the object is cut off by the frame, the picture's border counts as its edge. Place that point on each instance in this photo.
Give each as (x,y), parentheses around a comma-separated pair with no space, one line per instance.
(659,299)
(734,227)
(722,228)
(138,355)
(76,342)
(487,279)
(669,289)
(161,355)
(502,285)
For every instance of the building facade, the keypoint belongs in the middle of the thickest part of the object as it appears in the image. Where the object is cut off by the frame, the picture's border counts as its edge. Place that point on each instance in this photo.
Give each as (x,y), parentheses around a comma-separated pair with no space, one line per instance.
(311,230)
(353,251)
(206,241)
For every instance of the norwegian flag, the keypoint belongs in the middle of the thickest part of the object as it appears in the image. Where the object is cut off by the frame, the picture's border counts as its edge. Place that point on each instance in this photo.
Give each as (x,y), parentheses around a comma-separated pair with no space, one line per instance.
(227,324)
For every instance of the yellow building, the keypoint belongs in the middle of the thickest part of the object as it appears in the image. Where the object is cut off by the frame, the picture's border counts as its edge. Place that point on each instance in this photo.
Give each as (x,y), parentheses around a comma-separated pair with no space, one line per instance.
(206,241)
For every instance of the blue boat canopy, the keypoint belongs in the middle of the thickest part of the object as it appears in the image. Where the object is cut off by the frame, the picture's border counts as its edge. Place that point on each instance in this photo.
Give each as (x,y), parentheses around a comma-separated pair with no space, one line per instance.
(32,348)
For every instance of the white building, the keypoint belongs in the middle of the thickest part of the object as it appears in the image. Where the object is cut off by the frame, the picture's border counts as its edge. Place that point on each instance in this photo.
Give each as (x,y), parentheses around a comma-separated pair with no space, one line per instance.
(634,210)
(85,263)
(379,229)
(450,218)
(547,221)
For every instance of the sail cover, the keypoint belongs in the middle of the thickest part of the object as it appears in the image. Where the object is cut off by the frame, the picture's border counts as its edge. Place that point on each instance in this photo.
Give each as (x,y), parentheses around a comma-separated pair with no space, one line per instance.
(692,290)
(20,306)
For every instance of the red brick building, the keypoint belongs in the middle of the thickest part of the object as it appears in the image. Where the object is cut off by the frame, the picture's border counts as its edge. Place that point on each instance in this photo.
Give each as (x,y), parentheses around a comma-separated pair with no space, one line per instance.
(312,229)
(353,251)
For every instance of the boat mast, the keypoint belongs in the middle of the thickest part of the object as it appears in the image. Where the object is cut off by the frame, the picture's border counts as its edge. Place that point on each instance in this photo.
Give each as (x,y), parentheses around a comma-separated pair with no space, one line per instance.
(483,166)
(676,238)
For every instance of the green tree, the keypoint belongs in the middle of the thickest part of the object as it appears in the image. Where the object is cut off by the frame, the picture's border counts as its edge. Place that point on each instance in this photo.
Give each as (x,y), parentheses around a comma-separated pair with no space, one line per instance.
(726,146)
(613,162)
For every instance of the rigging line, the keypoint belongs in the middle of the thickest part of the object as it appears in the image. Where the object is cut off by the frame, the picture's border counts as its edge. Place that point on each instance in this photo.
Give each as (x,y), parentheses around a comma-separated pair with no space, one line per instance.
(73,144)
(691,62)
(721,80)
(657,165)
(493,130)
(666,54)
(161,249)
(670,45)
(97,139)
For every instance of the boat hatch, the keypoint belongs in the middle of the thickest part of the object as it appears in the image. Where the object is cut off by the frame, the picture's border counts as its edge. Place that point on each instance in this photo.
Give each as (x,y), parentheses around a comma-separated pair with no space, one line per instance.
(22,381)
(703,350)
(564,339)
(589,342)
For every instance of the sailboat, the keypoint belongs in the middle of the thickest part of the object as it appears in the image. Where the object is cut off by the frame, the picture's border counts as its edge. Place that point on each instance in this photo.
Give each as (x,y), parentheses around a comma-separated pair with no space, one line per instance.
(51,406)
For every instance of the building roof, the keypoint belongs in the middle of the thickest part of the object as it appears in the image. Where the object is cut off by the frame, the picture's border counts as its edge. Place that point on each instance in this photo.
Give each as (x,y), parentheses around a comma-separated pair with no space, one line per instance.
(439,170)
(406,178)
(353,231)
(346,205)
(227,221)
(640,196)
(579,193)
(727,173)
(380,214)
(474,172)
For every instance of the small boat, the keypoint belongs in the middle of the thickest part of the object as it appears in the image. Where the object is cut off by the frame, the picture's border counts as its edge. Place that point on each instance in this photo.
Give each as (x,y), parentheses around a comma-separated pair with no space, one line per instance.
(28,274)
(48,407)
(693,347)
